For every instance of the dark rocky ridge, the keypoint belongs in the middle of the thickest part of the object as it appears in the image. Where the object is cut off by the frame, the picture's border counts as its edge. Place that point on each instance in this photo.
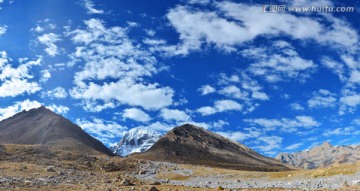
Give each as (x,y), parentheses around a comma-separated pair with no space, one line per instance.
(44,127)
(189,144)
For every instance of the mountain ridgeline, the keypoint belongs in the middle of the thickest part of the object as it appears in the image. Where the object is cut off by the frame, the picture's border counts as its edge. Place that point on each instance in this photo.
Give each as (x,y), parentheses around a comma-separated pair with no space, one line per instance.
(43,127)
(189,144)
(323,155)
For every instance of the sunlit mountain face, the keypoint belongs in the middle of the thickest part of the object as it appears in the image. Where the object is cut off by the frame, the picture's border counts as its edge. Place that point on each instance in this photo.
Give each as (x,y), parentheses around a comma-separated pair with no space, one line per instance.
(275,80)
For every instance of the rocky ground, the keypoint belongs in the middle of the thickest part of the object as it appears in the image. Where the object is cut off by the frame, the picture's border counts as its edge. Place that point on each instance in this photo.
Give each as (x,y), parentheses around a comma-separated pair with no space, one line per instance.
(38,168)
(213,178)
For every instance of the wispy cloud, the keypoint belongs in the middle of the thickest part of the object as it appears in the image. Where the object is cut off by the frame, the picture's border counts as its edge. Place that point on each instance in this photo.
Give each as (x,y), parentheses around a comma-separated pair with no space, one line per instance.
(285,124)
(90,7)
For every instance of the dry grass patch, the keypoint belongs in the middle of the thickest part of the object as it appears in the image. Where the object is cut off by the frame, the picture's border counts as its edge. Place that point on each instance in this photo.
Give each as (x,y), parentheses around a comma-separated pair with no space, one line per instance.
(173,176)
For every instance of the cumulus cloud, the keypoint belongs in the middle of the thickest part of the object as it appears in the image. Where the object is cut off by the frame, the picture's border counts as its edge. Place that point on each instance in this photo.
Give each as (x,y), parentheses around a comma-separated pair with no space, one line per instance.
(280,62)
(242,87)
(136,115)
(105,131)
(269,143)
(234,135)
(296,107)
(15,81)
(45,75)
(17,107)
(238,23)
(110,55)
(60,109)
(220,106)
(49,41)
(174,114)
(127,92)
(349,102)
(58,92)
(3,29)
(322,98)
(206,89)
(94,106)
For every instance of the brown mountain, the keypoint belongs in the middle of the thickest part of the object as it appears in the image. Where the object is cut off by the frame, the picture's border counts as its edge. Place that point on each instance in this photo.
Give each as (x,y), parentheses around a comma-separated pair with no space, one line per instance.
(323,155)
(189,144)
(44,127)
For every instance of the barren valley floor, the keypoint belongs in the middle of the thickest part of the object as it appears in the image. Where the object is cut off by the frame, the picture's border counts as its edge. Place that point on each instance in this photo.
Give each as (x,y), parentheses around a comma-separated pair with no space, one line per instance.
(25,167)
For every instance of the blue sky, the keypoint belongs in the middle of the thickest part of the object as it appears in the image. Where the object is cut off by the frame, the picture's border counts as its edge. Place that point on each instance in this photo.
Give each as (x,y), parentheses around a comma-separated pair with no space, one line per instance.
(272,81)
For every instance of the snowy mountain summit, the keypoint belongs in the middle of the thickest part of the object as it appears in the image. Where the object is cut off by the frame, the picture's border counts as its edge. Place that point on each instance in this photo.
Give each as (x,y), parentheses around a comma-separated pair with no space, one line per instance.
(136,140)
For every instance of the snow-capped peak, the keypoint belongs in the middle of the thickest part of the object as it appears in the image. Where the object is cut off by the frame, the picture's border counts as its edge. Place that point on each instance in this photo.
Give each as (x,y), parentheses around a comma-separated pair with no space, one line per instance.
(136,140)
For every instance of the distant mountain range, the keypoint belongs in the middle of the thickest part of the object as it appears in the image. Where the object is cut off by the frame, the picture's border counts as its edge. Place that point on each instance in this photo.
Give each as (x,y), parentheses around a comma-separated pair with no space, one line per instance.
(136,140)
(189,144)
(321,156)
(186,144)
(41,126)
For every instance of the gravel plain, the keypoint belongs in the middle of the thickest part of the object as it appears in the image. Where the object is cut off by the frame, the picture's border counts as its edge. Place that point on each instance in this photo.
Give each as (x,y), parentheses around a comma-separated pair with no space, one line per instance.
(151,171)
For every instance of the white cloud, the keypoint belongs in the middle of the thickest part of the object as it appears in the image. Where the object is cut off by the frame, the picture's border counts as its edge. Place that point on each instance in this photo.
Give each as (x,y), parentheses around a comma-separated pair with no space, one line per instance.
(278,62)
(60,109)
(296,107)
(335,67)
(59,93)
(220,106)
(15,81)
(202,2)
(307,121)
(206,89)
(219,124)
(285,124)
(38,29)
(132,24)
(234,135)
(322,98)
(103,130)
(110,55)
(207,110)
(241,87)
(342,131)
(18,107)
(127,92)
(174,114)
(49,40)
(16,87)
(3,29)
(158,126)
(93,106)
(27,105)
(45,75)
(230,24)
(349,102)
(269,143)
(294,146)
(89,5)
(233,92)
(308,2)
(136,115)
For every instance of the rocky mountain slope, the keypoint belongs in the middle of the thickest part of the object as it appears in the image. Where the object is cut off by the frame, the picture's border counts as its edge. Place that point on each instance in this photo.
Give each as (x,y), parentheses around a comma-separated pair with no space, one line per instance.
(136,140)
(321,156)
(44,127)
(189,144)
